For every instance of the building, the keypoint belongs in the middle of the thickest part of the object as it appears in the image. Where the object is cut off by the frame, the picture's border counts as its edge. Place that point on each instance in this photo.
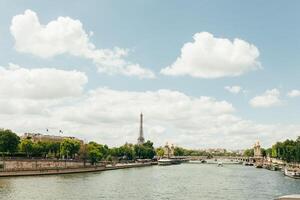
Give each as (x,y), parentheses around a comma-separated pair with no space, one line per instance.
(141,139)
(38,137)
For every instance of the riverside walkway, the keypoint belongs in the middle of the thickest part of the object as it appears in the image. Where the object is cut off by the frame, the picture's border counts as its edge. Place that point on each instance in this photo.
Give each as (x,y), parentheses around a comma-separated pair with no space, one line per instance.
(55,171)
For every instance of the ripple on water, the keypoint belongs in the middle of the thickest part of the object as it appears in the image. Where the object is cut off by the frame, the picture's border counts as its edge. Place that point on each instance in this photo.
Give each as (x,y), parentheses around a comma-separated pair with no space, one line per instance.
(182,182)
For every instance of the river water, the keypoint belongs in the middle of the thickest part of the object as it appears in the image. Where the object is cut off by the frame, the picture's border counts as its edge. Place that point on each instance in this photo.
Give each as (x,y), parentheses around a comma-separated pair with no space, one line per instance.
(177,182)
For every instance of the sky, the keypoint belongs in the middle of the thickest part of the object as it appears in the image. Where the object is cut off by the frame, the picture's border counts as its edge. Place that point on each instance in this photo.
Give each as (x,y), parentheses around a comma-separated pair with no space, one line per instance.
(205,74)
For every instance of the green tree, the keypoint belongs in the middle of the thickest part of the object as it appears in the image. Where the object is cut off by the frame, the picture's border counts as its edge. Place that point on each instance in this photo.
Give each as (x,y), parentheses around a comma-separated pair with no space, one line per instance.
(144,151)
(54,147)
(69,147)
(127,152)
(289,150)
(160,152)
(274,151)
(93,152)
(263,152)
(26,146)
(178,151)
(8,141)
(249,153)
(269,152)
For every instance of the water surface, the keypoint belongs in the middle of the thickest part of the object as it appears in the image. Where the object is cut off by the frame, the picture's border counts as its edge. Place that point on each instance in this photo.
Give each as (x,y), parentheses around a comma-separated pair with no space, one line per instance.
(177,182)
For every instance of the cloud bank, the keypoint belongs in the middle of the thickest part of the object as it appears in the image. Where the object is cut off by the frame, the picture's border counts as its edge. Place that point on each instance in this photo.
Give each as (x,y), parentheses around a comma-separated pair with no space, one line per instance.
(40,83)
(112,116)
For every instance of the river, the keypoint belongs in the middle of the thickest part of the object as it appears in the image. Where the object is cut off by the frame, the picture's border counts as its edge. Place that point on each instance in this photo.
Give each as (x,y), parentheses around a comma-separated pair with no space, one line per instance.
(177,182)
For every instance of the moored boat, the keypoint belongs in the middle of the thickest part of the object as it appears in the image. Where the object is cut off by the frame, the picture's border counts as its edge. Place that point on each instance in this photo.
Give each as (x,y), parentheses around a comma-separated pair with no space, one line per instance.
(164,161)
(169,161)
(293,173)
(289,197)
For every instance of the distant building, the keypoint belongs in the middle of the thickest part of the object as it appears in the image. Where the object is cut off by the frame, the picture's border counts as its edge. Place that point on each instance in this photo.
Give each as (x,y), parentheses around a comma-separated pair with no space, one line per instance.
(38,137)
(141,139)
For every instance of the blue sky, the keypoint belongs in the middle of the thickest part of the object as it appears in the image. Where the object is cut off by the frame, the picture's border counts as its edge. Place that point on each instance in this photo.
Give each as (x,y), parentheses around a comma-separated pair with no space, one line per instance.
(155,31)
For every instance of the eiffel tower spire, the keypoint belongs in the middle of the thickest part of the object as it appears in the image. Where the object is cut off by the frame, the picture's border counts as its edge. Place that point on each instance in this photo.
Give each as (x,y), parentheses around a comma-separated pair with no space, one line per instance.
(141,138)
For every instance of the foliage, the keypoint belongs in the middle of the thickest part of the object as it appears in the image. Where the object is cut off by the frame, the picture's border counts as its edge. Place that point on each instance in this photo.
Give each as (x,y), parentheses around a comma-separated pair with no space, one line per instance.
(26,146)
(8,141)
(97,152)
(160,152)
(69,147)
(249,153)
(178,151)
(127,152)
(94,154)
(289,150)
(144,151)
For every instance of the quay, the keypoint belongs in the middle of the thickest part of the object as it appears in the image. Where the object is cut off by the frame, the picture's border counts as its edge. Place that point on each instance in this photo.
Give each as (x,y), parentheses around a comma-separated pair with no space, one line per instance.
(72,170)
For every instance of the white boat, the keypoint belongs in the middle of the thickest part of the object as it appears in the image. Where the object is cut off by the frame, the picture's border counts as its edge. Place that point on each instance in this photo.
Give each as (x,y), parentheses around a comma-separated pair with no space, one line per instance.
(289,197)
(220,164)
(292,173)
(165,161)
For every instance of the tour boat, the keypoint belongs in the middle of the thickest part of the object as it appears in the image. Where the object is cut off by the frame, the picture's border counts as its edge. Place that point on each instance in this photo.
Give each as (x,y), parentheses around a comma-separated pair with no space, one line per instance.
(165,161)
(169,161)
(292,173)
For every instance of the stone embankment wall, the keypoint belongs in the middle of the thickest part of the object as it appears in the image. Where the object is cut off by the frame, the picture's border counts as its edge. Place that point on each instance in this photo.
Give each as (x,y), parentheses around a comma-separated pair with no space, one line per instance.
(27,164)
(71,170)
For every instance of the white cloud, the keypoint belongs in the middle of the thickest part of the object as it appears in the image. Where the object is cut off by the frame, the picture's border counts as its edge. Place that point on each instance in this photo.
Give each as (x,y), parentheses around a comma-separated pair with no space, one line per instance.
(233,89)
(40,83)
(294,93)
(212,57)
(67,36)
(268,99)
(112,117)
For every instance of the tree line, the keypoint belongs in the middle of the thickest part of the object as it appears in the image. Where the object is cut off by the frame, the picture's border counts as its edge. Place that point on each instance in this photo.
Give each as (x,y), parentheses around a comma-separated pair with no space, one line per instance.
(12,145)
(288,150)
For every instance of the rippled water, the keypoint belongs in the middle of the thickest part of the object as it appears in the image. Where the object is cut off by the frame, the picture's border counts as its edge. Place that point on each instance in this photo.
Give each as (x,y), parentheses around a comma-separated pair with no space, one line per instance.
(186,181)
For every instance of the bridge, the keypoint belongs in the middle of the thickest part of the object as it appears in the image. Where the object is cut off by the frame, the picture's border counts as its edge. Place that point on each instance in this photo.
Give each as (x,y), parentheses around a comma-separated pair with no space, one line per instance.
(236,158)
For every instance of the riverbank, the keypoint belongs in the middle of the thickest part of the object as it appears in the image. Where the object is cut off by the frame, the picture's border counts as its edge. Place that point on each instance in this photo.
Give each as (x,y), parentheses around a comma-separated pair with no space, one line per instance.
(53,171)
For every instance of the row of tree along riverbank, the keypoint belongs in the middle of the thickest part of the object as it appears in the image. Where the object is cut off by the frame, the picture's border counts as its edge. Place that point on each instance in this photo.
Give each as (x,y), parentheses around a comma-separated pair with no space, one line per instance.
(13,147)
(288,151)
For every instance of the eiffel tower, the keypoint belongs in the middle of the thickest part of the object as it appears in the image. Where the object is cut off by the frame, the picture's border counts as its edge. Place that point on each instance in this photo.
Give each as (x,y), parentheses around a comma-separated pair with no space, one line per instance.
(141,138)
